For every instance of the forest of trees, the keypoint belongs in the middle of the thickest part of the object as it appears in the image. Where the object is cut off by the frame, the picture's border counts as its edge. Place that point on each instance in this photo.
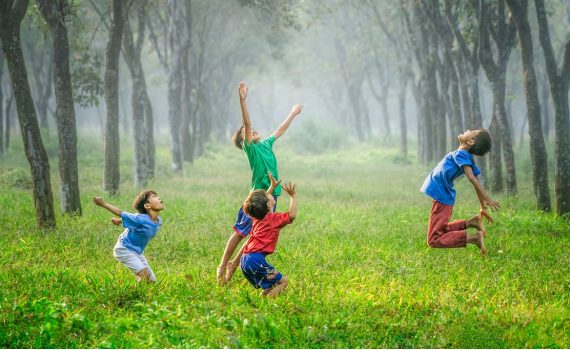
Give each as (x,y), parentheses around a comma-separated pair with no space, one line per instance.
(412,72)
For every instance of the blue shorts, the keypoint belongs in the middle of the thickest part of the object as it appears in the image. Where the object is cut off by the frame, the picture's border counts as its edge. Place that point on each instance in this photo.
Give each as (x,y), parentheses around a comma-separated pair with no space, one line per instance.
(258,271)
(244,222)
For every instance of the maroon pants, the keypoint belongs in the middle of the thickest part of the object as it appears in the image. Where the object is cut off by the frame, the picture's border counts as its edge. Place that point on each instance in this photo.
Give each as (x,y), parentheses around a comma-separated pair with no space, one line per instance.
(441,232)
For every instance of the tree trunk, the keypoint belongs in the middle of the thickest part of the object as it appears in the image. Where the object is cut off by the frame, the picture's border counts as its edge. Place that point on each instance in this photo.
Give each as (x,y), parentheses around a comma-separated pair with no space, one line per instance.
(496,166)
(402,110)
(1,106)
(185,138)
(175,83)
(496,73)
(455,120)
(519,10)
(430,96)
(8,122)
(10,18)
(149,129)
(45,94)
(545,111)
(506,139)
(112,147)
(132,54)
(559,87)
(55,12)
(385,114)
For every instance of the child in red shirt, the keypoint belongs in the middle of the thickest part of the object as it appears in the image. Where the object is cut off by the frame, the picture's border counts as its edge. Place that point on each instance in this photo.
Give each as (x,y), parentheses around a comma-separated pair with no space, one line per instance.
(263,239)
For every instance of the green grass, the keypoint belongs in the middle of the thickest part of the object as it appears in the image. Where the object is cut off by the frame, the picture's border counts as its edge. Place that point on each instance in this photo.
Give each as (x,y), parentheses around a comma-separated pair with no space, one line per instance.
(360,272)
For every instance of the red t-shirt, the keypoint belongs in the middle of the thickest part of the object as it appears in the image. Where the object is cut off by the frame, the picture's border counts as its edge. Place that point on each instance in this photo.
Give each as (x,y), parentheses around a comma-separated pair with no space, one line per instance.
(265,233)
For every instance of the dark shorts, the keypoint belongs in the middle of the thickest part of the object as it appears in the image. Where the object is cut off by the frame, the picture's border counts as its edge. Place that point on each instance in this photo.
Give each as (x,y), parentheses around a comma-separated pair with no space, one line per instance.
(244,222)
(258,271)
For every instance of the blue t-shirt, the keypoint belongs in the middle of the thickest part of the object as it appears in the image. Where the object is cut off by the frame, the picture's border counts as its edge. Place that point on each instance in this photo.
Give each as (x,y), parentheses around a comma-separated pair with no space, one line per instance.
(439,184)
(139,230)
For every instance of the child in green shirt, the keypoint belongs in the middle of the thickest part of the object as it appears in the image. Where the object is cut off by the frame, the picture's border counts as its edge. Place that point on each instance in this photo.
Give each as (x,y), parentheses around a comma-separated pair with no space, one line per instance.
(263,163)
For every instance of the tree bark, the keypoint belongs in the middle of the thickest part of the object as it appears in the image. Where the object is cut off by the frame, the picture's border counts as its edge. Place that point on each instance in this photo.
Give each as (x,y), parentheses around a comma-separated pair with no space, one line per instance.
(175,83)
(496,166)
(1,106)
(8,122)
(112,147)
(402,113)
(503,35)
(55,12)
(185,138)
(559,81)
(132,54)
(46,92)
(519,10)
(11,15)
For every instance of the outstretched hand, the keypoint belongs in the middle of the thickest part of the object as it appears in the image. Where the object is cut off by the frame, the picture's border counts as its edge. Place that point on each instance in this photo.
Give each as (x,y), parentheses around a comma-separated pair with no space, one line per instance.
(486,215)
(99,201)
(242,90)
(492,204)
(297,109)
(116,221)
(274,183)
(290,189)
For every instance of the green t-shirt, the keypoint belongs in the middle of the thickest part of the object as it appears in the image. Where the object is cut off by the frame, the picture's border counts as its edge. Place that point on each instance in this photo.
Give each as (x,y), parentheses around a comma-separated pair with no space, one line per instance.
(261,160)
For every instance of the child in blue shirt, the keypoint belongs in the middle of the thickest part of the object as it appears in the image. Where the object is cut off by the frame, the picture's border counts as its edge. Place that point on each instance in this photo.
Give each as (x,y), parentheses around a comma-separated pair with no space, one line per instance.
(439,186)
(139,230)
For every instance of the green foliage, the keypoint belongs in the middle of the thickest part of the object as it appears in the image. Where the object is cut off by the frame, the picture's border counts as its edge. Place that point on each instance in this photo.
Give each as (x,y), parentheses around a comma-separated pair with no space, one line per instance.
(360,273)
(86,77)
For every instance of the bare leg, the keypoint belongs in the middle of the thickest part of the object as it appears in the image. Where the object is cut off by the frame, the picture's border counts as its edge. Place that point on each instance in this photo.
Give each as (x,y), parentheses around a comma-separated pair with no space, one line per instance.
(230,248)
(478,239)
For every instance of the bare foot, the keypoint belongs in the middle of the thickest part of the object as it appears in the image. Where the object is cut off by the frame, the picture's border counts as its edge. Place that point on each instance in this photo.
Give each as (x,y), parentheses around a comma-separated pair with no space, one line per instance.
(480,242)
(231,268)
(220,274)
(477,222)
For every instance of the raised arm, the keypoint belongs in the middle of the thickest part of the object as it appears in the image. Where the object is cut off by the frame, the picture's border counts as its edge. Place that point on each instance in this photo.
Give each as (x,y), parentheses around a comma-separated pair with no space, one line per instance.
(295,111)
(244,113)
(100,202)
(274,183)
(290,189)
(484,198)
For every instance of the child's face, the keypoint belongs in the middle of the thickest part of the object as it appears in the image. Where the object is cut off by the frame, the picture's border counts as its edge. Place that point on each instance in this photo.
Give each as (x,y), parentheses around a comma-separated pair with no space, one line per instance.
(270,202)
(255,136)
(468,137)
(154,203)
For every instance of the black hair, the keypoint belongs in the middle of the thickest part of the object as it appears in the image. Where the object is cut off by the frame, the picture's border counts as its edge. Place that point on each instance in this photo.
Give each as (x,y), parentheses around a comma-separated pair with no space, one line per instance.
(255,204)
(141,200)
(482,144)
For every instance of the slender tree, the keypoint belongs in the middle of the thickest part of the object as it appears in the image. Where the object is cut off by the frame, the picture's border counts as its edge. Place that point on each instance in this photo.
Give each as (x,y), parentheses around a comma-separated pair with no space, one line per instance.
(502,33)
(519,11)
(1,105)
(8,112)
(11,15)
(112,150)
(132,52)
(55,12)
(559,80)
(175,82)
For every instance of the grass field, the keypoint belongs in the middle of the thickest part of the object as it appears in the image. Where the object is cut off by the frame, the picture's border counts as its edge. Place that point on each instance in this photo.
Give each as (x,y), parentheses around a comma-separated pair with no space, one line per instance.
(360,272)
